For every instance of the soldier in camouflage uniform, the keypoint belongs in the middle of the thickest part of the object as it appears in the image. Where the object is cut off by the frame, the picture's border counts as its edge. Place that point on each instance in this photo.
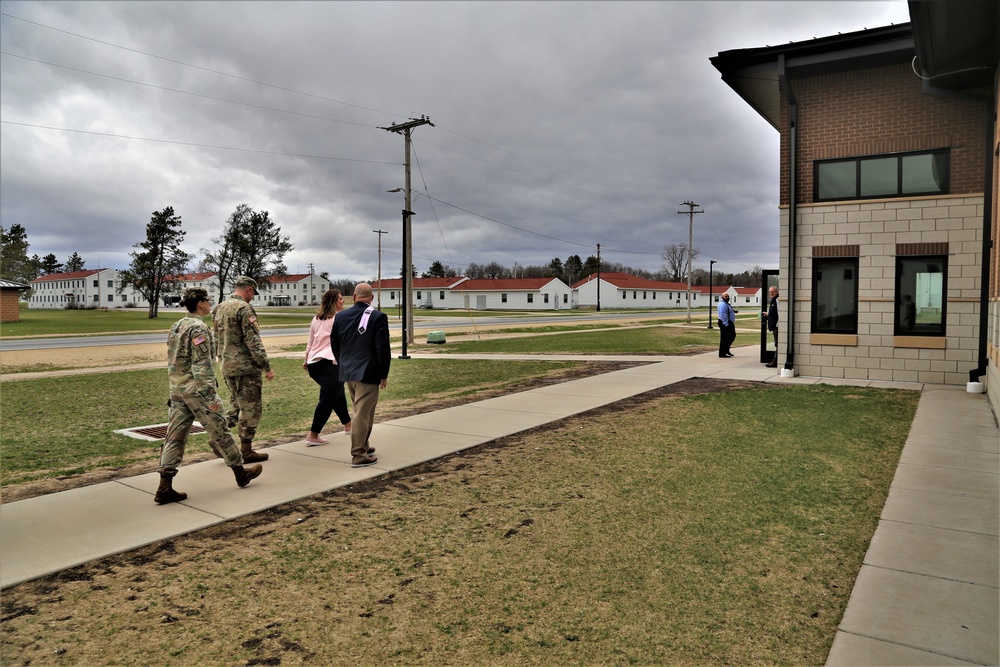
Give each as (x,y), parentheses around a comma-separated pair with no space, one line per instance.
(243,361)
(193,395)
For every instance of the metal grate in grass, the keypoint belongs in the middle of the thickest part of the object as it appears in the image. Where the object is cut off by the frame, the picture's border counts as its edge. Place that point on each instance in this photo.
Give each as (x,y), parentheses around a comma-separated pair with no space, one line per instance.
(155,431)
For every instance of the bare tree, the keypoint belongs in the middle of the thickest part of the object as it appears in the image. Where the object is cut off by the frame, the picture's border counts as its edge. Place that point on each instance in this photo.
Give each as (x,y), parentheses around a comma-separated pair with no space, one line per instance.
(675,257)
(251,245)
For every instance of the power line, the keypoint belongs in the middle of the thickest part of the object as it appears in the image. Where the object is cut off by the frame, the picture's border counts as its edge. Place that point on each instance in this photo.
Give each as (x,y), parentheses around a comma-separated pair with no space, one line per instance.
(199,67)
(190,143)
(312,95)
(183,92)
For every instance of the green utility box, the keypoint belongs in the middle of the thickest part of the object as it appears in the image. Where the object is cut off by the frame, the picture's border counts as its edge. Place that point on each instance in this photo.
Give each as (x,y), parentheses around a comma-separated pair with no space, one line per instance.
(436,337)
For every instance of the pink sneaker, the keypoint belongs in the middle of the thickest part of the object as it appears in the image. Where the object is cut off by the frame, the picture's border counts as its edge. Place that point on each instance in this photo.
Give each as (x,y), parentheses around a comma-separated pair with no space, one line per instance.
(318,441)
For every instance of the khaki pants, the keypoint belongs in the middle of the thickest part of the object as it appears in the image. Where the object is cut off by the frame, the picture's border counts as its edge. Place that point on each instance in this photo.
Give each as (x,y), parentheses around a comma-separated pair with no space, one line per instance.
(364,398)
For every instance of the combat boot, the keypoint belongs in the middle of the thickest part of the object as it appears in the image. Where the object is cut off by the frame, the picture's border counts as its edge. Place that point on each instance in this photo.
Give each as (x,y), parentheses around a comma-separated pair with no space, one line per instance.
(165,492)
(244,475)
(249,455)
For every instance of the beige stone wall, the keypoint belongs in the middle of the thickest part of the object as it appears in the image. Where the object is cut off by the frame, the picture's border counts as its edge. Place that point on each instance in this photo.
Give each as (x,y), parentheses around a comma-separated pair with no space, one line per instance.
(876,226)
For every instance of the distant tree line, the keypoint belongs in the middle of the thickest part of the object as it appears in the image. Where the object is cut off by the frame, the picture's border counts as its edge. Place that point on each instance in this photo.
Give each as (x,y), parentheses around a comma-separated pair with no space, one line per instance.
(251,244)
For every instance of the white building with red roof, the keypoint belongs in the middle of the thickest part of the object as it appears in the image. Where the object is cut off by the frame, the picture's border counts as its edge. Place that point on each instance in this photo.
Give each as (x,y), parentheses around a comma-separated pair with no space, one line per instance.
(623,290)
(479,293)
(295,289)
(90,288)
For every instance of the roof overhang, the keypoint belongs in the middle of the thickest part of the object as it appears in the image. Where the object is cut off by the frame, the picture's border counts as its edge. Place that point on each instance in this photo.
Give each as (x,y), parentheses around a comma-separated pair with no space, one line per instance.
(755,74)
(956,41)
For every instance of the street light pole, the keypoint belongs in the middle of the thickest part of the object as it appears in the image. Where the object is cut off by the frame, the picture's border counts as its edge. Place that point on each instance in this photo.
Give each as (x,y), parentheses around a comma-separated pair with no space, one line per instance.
(380,233)
(711,263)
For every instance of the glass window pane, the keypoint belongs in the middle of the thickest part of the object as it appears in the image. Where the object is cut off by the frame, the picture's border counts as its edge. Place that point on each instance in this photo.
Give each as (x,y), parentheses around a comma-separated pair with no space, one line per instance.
(879,177)
(925,173)
(837,180)
(920,295)
(835,308)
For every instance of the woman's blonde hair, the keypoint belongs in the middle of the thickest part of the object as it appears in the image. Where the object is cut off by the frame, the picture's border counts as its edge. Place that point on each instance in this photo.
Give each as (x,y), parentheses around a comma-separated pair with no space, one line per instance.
(328,307)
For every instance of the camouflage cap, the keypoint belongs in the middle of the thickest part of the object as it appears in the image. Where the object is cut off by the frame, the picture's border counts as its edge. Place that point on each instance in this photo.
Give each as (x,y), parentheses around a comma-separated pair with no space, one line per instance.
(246,281)
(195,294)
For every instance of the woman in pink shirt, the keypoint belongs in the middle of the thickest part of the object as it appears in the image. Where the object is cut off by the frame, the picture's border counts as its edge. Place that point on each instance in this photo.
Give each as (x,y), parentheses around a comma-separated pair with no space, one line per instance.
(322,367)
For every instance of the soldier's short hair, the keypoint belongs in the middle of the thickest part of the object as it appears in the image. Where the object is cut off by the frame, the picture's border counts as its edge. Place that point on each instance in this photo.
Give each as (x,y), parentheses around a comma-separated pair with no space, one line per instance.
(247,281)
(192,296)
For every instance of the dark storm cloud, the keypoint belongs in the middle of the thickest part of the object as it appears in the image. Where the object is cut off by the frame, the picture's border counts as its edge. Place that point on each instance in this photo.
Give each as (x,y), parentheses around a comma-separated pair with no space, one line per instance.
(559,125)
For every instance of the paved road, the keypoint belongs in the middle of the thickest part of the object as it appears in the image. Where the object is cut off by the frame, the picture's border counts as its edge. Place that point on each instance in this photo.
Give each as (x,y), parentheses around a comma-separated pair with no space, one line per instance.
(421,323)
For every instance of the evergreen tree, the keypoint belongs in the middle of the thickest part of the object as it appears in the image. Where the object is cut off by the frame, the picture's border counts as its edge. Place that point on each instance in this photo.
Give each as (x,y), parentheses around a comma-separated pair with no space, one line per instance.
(51,265)
(74,263)
(15,265)
(158,260)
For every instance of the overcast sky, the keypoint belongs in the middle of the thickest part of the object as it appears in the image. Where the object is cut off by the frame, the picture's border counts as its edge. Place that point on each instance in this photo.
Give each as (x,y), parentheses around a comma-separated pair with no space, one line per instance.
(557,126)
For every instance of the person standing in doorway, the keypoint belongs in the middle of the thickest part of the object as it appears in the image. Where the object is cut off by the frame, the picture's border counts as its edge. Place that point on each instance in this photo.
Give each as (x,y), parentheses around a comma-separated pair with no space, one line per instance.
(727,326)
(194,395)
(360,343)
(244,360)
(322,368)
(771,315)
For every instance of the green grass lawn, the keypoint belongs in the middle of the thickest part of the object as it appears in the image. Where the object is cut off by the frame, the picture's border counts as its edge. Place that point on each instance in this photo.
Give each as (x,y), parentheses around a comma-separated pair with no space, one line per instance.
(668,340)
(54,427)
(714,529)
(42,322)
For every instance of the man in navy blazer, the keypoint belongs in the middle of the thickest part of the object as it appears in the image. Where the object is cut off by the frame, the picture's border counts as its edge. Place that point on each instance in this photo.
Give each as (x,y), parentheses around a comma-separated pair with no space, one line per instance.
(360,342)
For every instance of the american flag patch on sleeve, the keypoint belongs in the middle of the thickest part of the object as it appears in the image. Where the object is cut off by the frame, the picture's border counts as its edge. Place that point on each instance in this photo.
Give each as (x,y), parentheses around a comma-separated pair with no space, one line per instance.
(198,341)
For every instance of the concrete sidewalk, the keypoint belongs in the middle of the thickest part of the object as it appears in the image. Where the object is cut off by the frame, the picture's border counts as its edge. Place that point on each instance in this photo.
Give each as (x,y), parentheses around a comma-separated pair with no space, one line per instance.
(927,593)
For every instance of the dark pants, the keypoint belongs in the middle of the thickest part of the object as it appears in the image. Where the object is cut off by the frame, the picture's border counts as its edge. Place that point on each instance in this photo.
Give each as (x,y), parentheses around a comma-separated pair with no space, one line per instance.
(727,335)
(331,394)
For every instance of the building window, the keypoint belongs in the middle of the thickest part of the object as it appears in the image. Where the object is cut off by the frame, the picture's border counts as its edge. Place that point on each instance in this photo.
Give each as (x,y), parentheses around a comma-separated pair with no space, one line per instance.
(546,298)
(419,296)
(835,295)
(503,298)
(96,284)
(392,296)
(920,295)
(901,175)
(531,298)
(565,297)
(441,295)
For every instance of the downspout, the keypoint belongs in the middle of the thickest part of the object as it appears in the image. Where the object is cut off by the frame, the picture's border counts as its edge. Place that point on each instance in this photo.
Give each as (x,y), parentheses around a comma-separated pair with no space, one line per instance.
(792,213)
(984,280)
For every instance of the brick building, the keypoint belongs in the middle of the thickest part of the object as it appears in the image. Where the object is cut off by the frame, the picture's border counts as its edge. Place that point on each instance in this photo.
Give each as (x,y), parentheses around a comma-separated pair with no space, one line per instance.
(887,195)
(10,292)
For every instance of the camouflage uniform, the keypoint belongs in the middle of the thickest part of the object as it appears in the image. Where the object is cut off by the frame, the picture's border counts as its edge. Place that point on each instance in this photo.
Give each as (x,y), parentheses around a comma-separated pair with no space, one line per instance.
(244,359)
(193,395)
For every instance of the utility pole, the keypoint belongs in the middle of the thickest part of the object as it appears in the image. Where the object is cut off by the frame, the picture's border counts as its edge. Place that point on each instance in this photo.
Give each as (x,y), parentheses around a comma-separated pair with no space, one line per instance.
(711,298)
(380,233)
(598,277)
(405,129)
(690,214)
(312,283)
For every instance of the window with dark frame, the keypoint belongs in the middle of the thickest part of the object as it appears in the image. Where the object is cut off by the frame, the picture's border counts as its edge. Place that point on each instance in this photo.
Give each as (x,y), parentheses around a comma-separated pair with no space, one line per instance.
(835,295)
(921,287)
(880,176)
